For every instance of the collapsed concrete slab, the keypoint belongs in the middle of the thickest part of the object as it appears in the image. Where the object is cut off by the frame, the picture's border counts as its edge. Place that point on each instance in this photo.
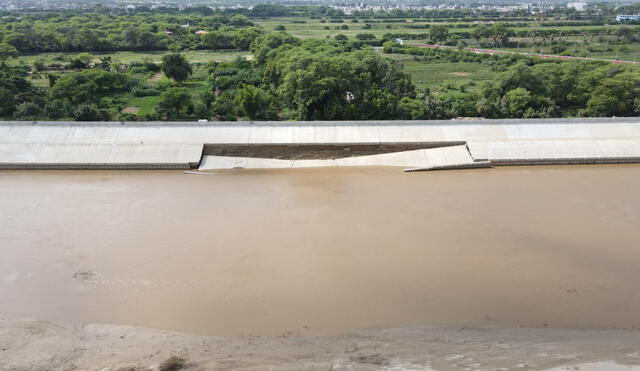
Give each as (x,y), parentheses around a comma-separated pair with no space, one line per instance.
(422,159)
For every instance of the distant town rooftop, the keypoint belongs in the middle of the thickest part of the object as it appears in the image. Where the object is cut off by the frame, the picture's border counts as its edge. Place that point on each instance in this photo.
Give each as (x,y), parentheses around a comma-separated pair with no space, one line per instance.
(628,17)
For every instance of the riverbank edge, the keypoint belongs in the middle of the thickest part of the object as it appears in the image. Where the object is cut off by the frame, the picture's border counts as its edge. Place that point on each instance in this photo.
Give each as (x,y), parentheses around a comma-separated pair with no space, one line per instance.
(31,344)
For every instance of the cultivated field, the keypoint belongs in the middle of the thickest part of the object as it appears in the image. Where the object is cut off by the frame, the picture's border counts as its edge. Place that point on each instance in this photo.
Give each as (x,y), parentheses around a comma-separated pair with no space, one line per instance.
(606,45)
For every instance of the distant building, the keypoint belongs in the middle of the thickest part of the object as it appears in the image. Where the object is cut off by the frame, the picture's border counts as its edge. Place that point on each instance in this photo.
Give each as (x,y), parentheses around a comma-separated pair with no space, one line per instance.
(627,18)
(578,6)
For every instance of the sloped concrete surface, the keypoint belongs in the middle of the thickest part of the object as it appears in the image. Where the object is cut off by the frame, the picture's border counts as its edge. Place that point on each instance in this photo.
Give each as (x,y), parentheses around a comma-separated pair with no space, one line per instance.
(99,156)
(565,151)
(179,144)
(424,159)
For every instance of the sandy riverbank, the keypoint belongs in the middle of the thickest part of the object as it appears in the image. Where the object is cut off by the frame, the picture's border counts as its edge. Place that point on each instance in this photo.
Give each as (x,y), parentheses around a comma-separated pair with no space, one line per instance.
(27,344)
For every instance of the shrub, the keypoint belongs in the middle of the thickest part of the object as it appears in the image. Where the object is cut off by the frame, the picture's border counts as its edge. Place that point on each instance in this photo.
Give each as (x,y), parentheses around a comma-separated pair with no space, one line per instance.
(39,66)
(88,86)
(89,112)
(27,111)
(145,91)
(57,109)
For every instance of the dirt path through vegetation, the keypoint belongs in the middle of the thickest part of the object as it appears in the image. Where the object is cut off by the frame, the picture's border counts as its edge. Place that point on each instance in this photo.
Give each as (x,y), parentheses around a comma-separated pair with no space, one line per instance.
(156,77)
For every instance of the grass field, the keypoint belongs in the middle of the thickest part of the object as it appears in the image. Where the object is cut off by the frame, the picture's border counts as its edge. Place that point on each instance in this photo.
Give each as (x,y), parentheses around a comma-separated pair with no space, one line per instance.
(437,75)
(194,56)
(145,105)
(608,49)
(314,28)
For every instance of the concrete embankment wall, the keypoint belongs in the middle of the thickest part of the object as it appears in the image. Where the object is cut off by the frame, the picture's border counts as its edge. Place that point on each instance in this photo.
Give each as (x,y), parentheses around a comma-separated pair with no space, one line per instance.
(179,145)
(567,161)
(567,151)
(40,156)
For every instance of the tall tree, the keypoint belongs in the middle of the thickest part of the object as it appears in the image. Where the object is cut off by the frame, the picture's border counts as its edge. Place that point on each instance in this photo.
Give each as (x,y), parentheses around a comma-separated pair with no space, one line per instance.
(499,34)
(131,35)
(176,67)
(7,51)
(254,102)
(438,33)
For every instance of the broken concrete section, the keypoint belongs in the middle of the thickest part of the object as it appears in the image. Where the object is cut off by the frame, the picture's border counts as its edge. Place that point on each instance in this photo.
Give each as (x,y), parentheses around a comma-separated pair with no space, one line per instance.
(421,159)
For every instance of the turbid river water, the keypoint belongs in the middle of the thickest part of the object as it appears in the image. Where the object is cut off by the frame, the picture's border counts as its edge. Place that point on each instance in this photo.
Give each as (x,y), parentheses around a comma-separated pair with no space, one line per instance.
(316,252)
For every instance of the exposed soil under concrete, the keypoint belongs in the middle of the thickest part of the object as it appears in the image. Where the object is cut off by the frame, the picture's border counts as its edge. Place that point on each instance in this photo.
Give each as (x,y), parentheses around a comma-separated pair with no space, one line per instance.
(315,151)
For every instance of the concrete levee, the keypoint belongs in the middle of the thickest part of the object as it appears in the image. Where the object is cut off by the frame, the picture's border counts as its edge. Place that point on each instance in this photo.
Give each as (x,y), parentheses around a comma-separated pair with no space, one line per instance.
(99,156)
(558,152)
(171,145)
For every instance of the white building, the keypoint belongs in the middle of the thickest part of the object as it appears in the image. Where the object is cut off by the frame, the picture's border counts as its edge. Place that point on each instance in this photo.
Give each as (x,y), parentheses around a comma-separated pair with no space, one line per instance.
(578,6)
(633,18)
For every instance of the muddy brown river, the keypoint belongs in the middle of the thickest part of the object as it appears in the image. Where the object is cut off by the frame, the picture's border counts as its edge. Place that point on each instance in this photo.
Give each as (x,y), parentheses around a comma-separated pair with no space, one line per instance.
(323,251)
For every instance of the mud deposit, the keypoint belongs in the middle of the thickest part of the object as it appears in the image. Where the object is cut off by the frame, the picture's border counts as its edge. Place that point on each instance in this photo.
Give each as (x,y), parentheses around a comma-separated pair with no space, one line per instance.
(324,251)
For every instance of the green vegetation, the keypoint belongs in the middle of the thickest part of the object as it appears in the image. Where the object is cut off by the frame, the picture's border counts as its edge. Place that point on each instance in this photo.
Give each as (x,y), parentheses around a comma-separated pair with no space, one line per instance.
(548,89)
(176,67)
(172,101)
(578,38)
(60,60)
(112,30)
(436,75)
(312,63)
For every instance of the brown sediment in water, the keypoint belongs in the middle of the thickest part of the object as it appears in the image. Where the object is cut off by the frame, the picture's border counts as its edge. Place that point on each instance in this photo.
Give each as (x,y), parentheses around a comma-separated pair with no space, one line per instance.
(323,251)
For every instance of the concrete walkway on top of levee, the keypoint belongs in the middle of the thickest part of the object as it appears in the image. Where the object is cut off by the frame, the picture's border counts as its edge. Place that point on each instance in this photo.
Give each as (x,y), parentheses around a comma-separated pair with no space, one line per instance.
(166,145)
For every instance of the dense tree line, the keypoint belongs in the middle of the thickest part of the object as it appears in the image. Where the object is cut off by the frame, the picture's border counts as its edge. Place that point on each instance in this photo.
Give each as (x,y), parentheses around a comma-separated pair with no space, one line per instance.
(502,35)
(310,80)
(99,32)
(529,87)
(289,78)
(553,89)
(144,29)
(453,55)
